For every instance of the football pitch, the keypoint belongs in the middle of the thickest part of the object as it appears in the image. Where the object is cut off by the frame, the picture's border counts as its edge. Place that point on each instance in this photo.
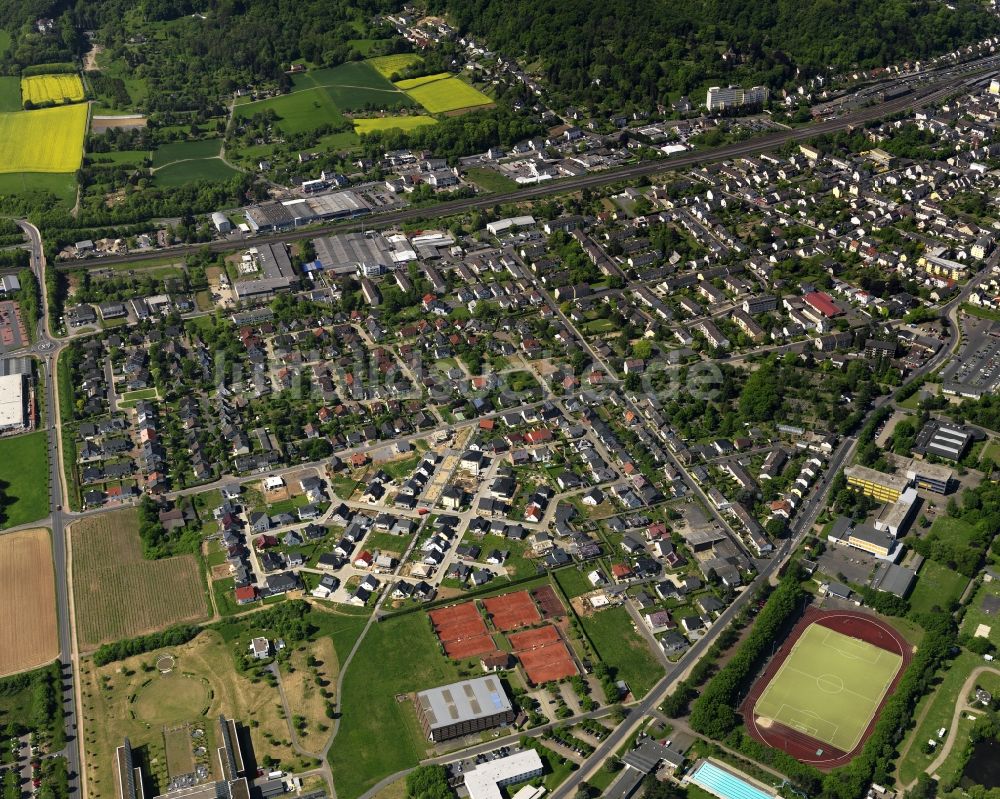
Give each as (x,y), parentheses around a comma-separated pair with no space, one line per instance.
(829,687)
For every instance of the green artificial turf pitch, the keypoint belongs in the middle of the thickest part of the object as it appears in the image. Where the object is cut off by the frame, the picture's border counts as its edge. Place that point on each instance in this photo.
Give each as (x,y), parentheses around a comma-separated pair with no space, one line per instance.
(829,687)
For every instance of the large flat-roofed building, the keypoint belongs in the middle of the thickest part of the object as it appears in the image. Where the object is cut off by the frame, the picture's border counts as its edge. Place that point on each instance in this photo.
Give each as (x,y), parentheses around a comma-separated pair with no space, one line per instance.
(943,440)
(892,579)
(344,253)
(463,707)
(930,476)
(895,519)
(270,216)
(486,779)
(878,485)
(878,542)
(13,410)
(233,785)
(271,272)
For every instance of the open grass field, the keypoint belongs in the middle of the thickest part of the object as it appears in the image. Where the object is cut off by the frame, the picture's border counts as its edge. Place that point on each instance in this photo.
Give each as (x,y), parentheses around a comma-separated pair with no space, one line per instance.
(934,711)
(24,474)
(976,616)
(60,184)
(389,65)
(623,649)
(952,529)
(117,593)
(185,151)
(490,179)
(829,687)
(27,592)
(5,41)
(10,94)
(936,585)
(213,169)
(121,699)
(381,669)
(362,126)
(46,140)
(41,89)
(446,94)
(299,112)
(302,684)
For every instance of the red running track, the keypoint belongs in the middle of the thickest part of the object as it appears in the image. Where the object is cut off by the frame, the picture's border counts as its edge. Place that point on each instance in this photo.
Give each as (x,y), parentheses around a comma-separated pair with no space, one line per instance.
(802,747)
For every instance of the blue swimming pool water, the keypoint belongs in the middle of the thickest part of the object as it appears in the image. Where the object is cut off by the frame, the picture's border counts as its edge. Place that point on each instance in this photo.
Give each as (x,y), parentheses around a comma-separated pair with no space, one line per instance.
(725,785)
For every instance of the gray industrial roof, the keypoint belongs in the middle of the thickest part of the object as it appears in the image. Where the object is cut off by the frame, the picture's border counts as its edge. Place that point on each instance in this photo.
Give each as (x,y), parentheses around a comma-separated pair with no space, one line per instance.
(463,701)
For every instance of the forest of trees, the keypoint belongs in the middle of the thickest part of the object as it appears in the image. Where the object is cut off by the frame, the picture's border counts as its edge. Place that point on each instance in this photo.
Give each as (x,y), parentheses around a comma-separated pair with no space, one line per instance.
(619,52)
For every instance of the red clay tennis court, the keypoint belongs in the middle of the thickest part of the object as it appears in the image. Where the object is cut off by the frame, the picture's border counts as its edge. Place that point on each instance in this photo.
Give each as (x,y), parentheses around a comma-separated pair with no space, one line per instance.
(469,647)
(510,611)
(462,631)
(529,639)
(547,663)
(548,602)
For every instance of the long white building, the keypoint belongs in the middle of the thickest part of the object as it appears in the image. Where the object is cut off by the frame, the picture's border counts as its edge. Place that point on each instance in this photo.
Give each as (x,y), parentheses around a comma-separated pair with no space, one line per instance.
(722,97)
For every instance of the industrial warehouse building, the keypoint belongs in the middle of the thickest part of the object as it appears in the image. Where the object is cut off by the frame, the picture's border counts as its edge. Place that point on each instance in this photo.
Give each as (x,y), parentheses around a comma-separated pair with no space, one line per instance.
(463,707)
(13,406)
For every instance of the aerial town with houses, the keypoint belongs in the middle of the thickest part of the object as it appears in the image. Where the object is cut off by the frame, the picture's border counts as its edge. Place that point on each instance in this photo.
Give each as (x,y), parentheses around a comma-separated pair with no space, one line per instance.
(648,453)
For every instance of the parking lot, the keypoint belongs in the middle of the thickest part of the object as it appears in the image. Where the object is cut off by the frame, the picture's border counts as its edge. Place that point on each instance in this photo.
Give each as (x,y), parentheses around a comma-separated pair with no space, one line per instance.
(852,563)
(976,369)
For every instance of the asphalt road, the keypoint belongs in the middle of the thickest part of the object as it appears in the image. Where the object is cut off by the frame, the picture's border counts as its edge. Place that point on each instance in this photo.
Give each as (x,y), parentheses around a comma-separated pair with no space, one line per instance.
(946,85)
(49,349)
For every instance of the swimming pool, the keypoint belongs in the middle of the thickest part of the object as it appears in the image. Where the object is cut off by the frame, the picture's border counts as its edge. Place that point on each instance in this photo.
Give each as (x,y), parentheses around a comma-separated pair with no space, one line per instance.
(725,785)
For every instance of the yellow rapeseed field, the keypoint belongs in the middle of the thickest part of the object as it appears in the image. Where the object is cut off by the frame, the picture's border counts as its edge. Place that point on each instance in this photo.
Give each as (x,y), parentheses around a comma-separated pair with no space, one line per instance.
(40,89)
(46,140)
(442,93)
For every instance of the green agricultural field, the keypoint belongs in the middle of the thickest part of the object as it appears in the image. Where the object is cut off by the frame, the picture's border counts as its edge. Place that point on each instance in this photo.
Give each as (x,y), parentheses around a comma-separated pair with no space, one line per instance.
(62,185)
(191,171)
(357,74)
(413,83)
(299,112)
(381,671)
(829,687)
(447,94)
(185,151)
(47,140)
(10,94)
(378,124)
(622,649)
(118,593)
(389,65)
(24,475)
(353,86)
(936,585)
